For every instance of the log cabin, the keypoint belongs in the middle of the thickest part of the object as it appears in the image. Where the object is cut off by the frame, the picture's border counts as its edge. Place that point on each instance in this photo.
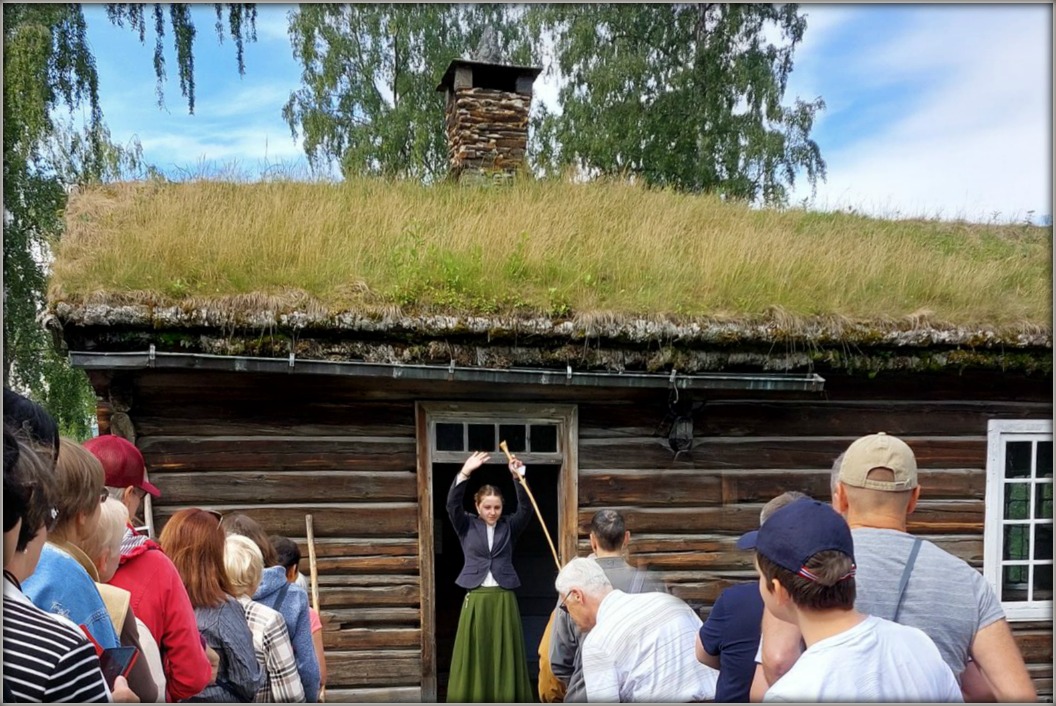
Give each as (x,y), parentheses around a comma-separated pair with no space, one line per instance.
(360,415)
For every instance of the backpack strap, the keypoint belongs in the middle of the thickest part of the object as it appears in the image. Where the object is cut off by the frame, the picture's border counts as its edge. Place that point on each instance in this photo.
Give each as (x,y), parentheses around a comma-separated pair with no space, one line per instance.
(282,595)
(905,576)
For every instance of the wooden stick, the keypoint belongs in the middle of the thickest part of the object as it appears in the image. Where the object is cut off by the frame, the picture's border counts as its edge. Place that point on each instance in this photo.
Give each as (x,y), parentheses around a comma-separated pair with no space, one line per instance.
(524,482)
(313,571)
(312,567)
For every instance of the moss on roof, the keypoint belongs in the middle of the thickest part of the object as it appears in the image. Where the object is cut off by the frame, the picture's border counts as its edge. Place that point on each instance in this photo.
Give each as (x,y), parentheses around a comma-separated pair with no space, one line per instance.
(609,253)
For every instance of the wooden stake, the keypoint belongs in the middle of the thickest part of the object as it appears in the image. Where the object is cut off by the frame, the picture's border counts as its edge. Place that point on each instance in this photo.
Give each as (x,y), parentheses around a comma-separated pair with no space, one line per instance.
(524,482)
(313,571)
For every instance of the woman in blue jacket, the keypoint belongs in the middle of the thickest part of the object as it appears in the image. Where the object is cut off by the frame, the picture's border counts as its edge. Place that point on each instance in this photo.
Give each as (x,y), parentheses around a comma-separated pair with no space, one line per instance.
(489,663)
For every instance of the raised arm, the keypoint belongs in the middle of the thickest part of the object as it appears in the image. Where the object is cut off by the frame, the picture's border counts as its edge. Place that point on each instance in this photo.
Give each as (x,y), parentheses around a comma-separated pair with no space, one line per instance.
(459,517)
(523,515)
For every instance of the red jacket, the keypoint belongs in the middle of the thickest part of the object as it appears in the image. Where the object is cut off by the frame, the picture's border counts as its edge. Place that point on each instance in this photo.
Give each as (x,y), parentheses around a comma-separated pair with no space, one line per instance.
(160,600)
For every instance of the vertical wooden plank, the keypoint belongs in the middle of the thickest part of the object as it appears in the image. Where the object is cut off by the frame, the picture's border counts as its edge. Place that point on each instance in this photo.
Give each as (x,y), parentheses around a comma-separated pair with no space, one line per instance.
(568,484)
(425,553)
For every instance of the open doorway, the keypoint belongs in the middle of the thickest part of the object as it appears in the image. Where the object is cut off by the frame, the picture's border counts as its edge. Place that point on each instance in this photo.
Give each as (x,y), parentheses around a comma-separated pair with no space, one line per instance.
(545,439)
(531,558)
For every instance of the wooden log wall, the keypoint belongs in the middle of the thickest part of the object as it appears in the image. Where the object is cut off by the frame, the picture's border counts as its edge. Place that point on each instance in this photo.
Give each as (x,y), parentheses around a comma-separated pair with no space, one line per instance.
(278,447)
(686,513)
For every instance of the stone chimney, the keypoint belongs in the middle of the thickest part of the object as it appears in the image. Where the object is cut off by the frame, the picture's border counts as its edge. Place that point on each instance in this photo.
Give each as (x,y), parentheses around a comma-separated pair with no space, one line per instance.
(486,117)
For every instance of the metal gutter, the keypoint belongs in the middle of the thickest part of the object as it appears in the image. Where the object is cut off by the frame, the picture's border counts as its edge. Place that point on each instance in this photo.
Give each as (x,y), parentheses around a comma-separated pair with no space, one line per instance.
(773,382)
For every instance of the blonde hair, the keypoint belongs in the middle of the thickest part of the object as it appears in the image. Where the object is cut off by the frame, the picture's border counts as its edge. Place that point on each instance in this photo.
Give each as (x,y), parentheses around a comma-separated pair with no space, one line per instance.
(109,531)
(244,563)
(81,480)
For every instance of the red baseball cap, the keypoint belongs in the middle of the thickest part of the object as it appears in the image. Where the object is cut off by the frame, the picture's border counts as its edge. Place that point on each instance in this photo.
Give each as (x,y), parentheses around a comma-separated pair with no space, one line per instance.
(122,462)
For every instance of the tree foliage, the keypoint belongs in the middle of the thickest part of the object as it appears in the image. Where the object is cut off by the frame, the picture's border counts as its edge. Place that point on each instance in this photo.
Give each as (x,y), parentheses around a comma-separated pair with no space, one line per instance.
(685,95)
(368,101)
(48,65)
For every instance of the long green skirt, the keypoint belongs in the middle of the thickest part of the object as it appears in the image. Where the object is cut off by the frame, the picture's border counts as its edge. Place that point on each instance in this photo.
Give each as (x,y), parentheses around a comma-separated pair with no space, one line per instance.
(489,664)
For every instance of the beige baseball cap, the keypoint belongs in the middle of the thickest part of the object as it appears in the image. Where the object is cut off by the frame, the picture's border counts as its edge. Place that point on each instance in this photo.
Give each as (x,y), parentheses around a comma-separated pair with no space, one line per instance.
(879,451)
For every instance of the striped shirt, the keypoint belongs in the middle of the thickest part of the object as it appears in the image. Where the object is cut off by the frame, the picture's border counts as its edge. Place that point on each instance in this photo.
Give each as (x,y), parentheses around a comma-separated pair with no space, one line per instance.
(271,641)
(46,660)
(642,648)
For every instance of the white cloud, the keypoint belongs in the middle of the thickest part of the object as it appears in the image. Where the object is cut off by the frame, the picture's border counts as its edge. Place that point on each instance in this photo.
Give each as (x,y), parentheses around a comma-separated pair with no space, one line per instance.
(273,23)
(974,140)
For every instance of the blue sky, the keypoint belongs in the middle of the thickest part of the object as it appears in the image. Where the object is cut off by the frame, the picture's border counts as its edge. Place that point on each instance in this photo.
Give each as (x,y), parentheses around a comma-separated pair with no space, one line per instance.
(932,110)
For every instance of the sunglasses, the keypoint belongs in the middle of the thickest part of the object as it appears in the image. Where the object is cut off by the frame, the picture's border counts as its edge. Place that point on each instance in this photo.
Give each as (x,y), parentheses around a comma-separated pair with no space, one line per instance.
(564,608)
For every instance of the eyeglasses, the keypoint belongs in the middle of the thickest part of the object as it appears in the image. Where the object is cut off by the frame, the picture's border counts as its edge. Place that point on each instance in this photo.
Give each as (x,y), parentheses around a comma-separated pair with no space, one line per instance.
(562,606)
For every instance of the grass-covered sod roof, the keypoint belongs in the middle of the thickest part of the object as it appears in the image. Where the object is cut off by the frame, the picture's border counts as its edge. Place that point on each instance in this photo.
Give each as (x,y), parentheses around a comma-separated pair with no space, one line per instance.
(611,251)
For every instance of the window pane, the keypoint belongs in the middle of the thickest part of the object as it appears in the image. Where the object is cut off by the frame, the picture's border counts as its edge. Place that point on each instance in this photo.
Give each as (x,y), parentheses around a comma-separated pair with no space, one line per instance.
(1014,583)
(1043,541)
(544,438)
(1017,539)
(482,437)
(514,435)
(1017,501)
(1017,459)
(1043,501)
(1044,468)
(449,437)
(1043,581)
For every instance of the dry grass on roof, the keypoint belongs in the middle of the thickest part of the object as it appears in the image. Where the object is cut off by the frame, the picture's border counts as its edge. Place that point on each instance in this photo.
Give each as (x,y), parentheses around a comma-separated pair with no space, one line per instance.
(550,248)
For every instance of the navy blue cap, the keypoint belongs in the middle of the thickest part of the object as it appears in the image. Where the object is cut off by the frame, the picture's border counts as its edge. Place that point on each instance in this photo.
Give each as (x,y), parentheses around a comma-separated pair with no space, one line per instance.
(798,531)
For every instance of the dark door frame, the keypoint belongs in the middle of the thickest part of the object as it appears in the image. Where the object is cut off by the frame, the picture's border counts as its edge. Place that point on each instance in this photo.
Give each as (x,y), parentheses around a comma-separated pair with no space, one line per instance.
(426,413)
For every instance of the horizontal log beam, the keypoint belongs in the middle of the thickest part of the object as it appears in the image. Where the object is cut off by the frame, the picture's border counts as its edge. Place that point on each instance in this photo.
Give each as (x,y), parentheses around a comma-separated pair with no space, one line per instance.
(930,517)
(753,452)
(214,454)
(270,486)
(665,488)
(377,638)
(333,520)
(373,668)
(393,694)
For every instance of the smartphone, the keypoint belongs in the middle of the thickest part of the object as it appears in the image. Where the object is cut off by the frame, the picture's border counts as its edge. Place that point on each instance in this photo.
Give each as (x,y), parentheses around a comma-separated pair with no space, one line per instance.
(117,661)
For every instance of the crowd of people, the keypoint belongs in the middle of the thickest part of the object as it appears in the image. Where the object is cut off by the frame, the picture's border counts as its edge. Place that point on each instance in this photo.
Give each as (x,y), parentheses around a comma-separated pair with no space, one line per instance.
(848,606)
(215,610)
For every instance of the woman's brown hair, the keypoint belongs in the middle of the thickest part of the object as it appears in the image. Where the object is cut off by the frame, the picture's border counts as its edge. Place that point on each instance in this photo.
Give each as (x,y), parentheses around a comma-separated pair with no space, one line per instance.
(485,491)
(81,481)
(194,541)
(237,523)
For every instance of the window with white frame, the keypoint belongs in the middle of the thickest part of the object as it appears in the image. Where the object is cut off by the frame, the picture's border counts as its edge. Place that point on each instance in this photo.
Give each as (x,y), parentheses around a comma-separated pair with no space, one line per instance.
(1017,551)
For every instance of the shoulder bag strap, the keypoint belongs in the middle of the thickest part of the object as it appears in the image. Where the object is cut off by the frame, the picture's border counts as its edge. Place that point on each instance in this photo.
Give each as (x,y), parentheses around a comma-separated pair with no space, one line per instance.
(905,576)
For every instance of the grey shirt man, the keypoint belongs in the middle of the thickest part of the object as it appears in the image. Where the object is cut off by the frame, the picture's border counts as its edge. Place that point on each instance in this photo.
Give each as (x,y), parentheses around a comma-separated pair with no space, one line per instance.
(566,641)
(945,597)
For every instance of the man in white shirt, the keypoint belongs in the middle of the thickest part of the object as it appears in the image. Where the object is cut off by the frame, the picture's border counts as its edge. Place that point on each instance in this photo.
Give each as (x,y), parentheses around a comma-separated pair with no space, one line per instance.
(638,647)
(804,555)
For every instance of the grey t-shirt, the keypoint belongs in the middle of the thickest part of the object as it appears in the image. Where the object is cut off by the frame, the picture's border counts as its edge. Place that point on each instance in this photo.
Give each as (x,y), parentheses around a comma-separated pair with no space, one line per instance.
(945,597)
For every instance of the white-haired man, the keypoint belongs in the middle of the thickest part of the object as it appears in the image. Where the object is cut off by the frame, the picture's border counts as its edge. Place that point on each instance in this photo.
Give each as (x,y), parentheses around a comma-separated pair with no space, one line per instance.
(638,646)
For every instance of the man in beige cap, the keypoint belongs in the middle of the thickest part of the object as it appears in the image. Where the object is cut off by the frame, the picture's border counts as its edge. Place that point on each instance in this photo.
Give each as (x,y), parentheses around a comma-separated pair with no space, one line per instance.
(912,581)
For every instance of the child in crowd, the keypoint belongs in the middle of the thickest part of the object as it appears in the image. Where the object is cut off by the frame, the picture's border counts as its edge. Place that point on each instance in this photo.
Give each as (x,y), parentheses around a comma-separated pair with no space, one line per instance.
(289,557)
